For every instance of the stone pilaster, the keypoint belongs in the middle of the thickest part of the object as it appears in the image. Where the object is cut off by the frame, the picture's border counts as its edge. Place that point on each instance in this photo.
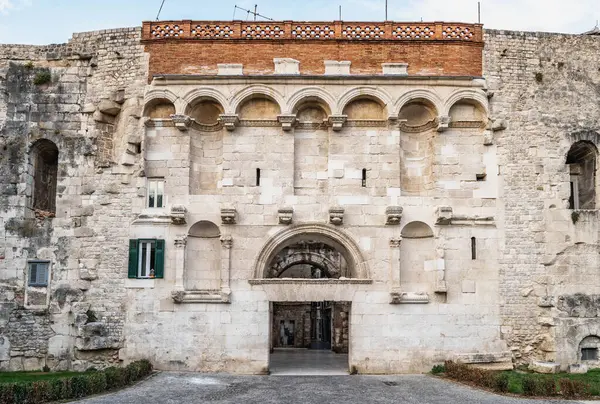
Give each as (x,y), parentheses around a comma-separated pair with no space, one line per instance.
(180,243)
(226,244)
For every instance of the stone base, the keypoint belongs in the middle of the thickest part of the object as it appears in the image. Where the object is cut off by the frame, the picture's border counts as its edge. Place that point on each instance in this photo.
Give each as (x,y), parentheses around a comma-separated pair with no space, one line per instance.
(578,369)
(545,367)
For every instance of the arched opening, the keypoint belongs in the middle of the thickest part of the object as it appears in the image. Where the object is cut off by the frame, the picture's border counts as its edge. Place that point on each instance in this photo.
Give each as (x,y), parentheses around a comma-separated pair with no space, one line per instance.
(259,107)
(467,113)
(418,258)
(205,111)
(581,160)
(44,169)
(365,108)
(308,259)
(311,147)
(159,108)
(588,351)
(203,257)
(418,126)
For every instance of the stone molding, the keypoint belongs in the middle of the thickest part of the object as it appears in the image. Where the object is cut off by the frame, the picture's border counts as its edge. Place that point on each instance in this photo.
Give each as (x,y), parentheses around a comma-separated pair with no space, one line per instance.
(409,298)
(395,242)
(337,121)
(199,296)
(178,214)
(351,252)
(181,122)
(287,121)
(443,123)
(297,281)
(285,215)
(227,242)
(445,217)
(393,215)
(161,218)
(230,121)
(228,215)
(336,215)
(230,69)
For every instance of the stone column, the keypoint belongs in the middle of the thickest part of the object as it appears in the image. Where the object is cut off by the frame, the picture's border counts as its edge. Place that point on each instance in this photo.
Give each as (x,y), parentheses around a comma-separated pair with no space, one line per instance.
(226,244)
(180,243)
(395,263)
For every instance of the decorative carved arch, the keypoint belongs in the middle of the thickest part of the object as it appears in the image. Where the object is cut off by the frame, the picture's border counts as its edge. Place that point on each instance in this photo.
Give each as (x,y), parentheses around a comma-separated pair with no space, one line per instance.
(478,97)
(307,93)
(418,95)
(305,257)
(203,93)
(357,266)
(241,96)
(154,96)
(369,92)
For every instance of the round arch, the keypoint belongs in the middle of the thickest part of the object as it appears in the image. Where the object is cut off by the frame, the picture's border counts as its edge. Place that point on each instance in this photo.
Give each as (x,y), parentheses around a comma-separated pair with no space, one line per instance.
(415,96)
(417,229)
(203,93)
(258,90)
(311,258)
(328,234)
(476,97)
(377,94)
(154,96)
(310,93)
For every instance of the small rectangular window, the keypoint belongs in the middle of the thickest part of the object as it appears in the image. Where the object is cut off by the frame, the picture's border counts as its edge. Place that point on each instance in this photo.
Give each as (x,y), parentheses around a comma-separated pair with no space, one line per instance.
(473,248)
(364,177)
(589,354)
(146,258)
(38,273)
(258,177)
(156,192)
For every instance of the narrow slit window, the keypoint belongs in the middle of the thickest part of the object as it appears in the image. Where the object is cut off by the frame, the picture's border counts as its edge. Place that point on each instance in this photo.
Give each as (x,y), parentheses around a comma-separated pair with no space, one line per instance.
(258,177)
(473,248)
(364,177)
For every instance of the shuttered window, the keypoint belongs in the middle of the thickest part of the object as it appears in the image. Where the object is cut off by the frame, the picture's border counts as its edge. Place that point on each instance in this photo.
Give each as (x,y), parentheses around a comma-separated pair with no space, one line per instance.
(146,258)
(38,273)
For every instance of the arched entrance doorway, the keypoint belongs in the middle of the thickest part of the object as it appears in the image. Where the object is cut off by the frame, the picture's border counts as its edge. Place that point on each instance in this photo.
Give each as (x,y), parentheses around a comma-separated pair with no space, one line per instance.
(310,327)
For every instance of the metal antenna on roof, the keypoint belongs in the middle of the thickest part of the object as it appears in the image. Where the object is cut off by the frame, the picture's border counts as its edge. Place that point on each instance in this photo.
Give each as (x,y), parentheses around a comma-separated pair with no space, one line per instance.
(248,12)
(478,12)
(340,13)
(160,9)
(386,10)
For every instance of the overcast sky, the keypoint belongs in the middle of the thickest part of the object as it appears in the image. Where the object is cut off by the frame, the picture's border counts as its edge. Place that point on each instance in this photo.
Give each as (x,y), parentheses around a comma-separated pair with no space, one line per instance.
(53,21)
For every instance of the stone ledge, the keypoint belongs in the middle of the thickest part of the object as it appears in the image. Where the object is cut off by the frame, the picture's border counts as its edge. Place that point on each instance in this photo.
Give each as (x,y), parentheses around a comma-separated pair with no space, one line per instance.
(409,298)
(296,281)
(200,296)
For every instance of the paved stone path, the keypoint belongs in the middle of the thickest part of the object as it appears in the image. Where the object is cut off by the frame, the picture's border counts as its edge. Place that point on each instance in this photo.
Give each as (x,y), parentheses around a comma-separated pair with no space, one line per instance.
(184,388)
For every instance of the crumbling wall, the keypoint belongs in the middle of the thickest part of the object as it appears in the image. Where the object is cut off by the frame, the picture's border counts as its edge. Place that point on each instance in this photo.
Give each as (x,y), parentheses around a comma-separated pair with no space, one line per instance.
(547,89)
(80,96)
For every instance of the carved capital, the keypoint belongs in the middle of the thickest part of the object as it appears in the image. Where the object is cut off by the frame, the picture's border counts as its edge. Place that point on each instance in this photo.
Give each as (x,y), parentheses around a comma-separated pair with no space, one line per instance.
(286,215)
(227,242)
(180,242)
(443,123)
(336,215)
(337,121)
(178,296)
(228,215)
(178,214)
(393,215)
(287,121)
(395,242)
(444,215)
(230,121)
(181,122)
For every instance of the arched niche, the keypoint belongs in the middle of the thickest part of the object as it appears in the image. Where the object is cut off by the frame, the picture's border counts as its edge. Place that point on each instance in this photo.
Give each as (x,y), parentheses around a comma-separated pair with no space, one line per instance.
(159,108)
(582,164)
(416,230)
(588,352)
(203,257)
(43,168)
(311,110)
(259,107)
(467,110)
(365,108)
(418,115)
(322,244)
(205,111)
(418,263)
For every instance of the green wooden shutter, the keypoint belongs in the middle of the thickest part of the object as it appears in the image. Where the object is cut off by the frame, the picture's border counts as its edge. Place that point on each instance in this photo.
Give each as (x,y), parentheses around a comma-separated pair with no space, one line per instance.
(159,259)
(133,259)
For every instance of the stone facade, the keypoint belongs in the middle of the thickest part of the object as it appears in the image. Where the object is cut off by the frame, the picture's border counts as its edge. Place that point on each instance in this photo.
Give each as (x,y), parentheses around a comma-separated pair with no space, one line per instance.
(196,190)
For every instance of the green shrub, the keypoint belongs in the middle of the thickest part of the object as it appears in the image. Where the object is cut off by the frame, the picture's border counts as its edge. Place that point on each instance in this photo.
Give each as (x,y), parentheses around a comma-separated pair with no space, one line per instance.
(501,383)
(573,388)
(529,386)
(437,369)
(77,386)
(43,77)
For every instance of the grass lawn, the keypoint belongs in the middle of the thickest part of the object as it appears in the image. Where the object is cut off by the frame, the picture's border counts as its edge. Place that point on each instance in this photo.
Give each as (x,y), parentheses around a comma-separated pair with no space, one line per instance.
(592,378)
(14,377)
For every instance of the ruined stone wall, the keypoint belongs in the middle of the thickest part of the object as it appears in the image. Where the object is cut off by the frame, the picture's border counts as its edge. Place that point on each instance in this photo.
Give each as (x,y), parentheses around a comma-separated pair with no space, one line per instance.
(55,93)
(547,88)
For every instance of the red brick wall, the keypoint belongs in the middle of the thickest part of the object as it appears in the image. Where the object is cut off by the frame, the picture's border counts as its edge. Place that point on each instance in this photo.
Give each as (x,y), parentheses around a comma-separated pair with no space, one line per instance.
(437,58)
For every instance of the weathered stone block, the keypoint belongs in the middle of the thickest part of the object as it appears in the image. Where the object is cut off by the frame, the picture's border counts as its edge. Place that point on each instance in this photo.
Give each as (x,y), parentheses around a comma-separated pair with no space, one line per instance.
(545,367)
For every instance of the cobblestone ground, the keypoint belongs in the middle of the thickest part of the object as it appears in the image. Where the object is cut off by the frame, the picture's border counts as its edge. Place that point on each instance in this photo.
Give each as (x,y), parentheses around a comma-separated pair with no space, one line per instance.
(183,388)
